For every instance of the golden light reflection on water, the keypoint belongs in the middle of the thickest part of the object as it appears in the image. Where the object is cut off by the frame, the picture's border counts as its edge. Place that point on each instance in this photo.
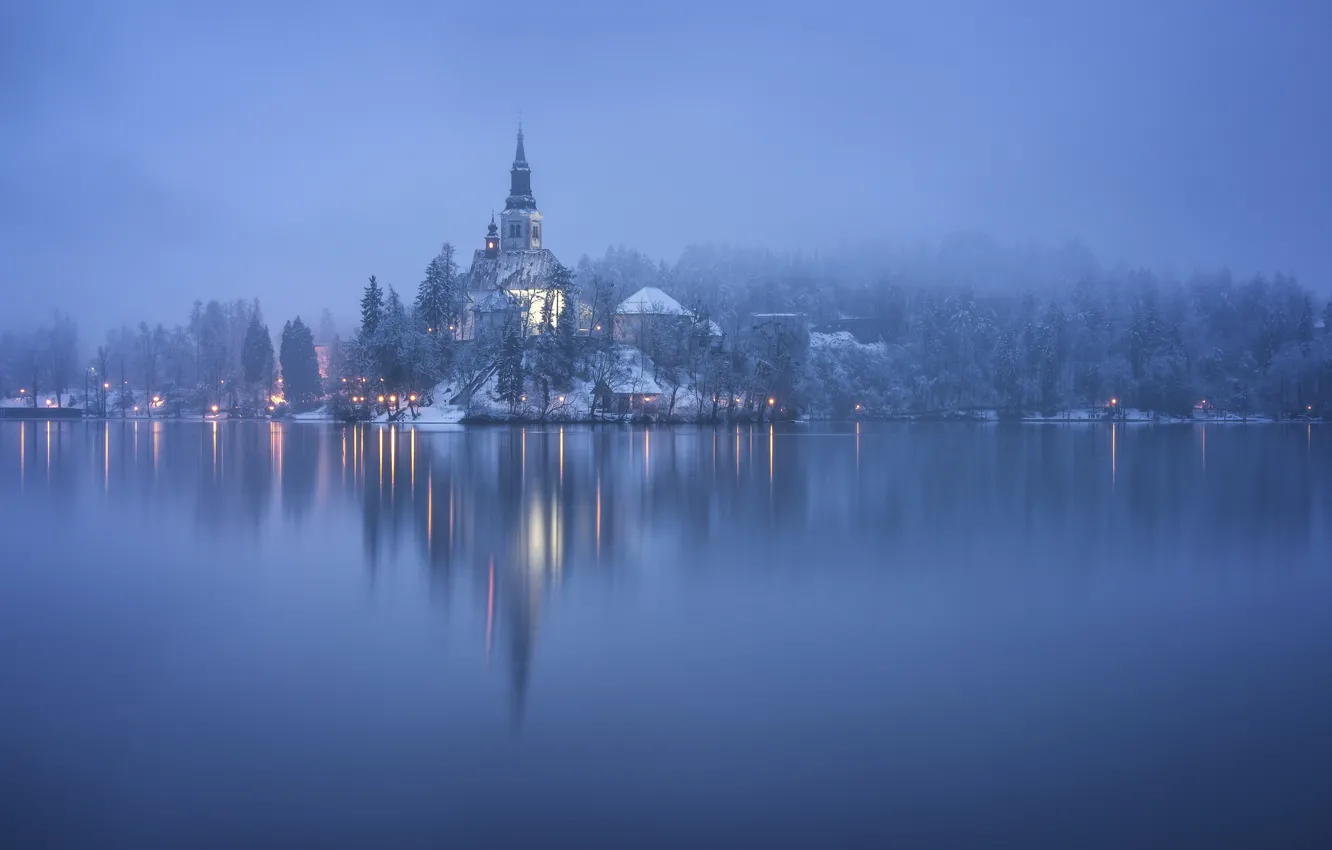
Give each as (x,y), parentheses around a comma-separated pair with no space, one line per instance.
(1114,454)
(490,607)
(771,434)
(857,448)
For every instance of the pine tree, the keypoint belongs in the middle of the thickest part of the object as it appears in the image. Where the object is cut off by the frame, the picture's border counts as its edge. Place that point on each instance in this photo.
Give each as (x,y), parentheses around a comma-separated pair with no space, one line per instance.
(372,308)
(300,366)
(437,299)
(510,380)
(257,354)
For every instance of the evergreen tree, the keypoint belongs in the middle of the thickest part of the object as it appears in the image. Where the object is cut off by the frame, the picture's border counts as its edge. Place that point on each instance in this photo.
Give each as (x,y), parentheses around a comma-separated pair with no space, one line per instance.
(510,380)
(372,308)
(257,355)
(437,299)
(300,366)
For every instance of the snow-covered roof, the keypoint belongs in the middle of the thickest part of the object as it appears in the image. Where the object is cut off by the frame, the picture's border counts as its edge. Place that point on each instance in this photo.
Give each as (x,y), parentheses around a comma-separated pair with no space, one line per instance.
(510,270)
(650,301)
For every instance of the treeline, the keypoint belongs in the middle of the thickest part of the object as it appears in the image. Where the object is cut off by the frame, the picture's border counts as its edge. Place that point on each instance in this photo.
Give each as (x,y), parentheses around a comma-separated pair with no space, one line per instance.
(943,335)
(222,356)
(969,325)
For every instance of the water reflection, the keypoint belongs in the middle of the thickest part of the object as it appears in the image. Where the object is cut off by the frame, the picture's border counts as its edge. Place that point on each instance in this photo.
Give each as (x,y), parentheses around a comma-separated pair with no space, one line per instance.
(513,514)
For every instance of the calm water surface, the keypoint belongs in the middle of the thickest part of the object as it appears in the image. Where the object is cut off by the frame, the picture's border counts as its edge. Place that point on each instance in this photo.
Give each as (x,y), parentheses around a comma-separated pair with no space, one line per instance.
(266,635)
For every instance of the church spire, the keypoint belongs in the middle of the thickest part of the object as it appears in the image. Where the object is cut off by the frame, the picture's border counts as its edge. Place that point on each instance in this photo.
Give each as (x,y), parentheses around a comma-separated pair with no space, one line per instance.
(520,180)
(520,156)
(520,223)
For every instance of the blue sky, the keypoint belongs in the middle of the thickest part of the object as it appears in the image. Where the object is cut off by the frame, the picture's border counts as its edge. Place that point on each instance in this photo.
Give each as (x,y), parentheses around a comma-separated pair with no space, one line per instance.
(158,152)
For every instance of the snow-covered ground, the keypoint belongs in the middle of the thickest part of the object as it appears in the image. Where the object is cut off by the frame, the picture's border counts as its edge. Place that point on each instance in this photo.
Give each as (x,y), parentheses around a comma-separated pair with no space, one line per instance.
(45,399)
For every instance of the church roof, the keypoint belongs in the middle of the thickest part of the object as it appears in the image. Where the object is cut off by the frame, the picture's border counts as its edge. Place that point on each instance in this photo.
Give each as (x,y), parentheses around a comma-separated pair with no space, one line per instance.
(520,155)
(509,270)
(650,301)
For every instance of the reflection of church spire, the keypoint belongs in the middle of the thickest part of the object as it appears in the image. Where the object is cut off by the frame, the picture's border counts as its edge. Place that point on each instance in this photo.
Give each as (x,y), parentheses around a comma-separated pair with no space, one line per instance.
(524,609)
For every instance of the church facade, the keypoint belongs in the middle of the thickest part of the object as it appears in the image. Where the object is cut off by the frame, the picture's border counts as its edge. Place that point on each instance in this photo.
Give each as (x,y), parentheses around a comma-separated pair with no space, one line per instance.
(508,275)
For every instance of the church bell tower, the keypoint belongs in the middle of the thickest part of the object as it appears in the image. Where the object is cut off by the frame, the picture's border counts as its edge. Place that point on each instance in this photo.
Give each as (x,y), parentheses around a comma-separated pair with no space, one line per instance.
(520,223)
(492,238)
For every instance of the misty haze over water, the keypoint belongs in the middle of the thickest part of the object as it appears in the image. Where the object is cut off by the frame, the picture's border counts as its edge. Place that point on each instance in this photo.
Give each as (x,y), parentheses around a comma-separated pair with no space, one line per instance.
(269,634)
(155,154)
(704,424)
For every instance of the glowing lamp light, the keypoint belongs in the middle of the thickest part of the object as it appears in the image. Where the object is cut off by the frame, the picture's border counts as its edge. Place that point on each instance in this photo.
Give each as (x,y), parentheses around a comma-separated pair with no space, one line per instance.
(104,386)
(561,399)
(271,407)
(771,402)
(412,397)
(857,407)
(522,398)
(22,390)
(344,380)
(1114,401)
(393,399)
(157,398)
(737,399)
(381,399)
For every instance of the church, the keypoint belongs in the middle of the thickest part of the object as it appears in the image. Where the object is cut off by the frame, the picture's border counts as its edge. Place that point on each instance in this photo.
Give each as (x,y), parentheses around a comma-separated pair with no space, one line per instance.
(508,275)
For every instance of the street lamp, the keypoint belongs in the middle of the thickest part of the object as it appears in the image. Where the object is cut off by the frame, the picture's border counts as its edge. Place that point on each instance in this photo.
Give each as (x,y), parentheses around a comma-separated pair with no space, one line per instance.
(215,408)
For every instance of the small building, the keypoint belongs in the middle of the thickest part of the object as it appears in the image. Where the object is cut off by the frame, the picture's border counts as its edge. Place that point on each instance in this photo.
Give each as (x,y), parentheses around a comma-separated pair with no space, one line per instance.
(651,311)
(647,311)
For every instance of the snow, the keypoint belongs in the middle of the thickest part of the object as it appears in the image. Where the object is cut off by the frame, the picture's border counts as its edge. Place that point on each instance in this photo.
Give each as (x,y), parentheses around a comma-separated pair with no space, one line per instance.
(508,270)
(841,339)
(66,400)
(637,377)
(444,414)
(650,301)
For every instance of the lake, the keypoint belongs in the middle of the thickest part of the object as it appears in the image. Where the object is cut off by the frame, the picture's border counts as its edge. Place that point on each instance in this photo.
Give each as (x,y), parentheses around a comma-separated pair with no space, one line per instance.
(246,634)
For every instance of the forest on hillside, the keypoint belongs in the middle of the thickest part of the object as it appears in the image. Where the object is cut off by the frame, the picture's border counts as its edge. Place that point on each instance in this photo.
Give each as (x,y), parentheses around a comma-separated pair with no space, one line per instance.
(967,325)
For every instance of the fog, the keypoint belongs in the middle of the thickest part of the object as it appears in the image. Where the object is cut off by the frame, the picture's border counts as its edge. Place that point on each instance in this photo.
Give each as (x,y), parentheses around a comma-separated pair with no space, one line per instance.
(153,155)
